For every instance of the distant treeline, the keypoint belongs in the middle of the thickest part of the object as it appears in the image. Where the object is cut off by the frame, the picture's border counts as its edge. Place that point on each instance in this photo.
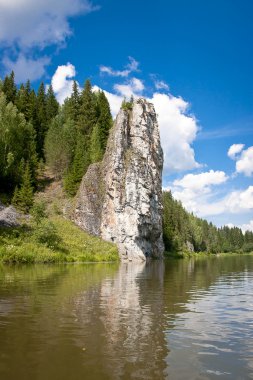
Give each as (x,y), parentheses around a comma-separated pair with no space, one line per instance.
(35,129)
(183,231)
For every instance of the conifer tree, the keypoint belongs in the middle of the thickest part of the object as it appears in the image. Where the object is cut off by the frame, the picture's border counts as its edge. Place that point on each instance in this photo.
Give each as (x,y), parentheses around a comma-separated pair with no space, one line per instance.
(104,120)
(88,110)
(31,111)
(17,142)
(21,100)
(96,151)
(9,88)
(79,166)
(41,122)
(23,196)
(59,145)
(52,106)
(75,102)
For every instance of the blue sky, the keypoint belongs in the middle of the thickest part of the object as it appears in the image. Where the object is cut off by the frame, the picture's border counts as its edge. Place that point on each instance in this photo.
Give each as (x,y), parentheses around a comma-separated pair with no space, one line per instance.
(192,58)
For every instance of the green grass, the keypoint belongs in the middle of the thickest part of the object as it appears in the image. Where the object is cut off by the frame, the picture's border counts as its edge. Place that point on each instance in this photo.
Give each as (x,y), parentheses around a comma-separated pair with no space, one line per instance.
(19,245)
(188,254)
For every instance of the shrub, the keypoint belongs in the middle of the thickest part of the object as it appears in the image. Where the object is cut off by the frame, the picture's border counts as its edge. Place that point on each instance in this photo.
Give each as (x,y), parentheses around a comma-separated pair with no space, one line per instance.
(46,233)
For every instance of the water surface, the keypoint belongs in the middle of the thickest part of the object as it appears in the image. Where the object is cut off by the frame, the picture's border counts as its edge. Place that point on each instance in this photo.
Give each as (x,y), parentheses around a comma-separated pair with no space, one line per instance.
(182,319)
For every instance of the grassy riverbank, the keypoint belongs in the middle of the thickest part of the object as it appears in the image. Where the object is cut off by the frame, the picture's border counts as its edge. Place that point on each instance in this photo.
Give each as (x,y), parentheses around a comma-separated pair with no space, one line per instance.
(187,254)
(25,244)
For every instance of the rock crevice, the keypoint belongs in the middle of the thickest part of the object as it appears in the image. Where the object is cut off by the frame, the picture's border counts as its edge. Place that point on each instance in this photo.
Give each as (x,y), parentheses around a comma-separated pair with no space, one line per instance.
(120,199)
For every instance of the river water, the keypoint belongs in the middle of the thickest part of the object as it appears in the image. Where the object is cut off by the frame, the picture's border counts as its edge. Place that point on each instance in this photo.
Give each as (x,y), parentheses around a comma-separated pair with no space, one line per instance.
(180,319)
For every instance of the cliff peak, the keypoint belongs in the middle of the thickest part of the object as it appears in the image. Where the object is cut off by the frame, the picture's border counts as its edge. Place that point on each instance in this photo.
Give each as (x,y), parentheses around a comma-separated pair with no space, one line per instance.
(120,199)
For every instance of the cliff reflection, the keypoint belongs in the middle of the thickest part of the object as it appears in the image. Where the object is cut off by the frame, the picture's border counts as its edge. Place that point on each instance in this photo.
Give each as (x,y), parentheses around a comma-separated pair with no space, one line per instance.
(133,323)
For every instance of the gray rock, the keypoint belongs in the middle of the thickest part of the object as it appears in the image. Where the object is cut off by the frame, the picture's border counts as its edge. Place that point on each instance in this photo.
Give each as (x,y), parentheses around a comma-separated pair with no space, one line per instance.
(8,216)
(120,199)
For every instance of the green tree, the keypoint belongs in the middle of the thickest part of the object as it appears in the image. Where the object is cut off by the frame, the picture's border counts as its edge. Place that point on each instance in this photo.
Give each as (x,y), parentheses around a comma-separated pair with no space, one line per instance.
(88,110)
(9,88)
(104,122)
(79,166)
(96,151)
(23,196)
(59,145)
(41,124)
(17,144)
(52,106)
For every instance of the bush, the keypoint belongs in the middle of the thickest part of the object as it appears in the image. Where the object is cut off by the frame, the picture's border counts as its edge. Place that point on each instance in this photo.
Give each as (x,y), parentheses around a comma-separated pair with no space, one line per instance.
(38,212)
(46,233)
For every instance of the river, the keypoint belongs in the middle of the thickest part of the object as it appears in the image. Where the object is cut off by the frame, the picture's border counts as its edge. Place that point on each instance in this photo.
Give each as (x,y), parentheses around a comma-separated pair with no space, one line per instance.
(178,319)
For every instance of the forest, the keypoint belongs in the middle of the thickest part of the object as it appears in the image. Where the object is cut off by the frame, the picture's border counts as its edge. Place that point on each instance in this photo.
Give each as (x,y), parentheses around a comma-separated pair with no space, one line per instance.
(37,133)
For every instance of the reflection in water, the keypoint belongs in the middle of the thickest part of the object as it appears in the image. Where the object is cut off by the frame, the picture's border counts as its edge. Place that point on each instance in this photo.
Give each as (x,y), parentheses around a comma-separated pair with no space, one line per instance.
(132,325)
(185,319)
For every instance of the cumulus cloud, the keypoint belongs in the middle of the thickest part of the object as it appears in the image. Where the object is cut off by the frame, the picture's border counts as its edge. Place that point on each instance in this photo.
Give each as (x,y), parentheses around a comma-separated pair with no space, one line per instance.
(29,23)
(198,182)
(247,226)
(178,130)
(26,68)
(28,26)
(62,81)
(129,68)
(161,85)
(243,158)
(234,150)
(244,164)
(201,200)
(133,87)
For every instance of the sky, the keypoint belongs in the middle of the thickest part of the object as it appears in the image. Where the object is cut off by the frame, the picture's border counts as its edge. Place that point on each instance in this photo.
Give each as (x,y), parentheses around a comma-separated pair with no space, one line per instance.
(192,58)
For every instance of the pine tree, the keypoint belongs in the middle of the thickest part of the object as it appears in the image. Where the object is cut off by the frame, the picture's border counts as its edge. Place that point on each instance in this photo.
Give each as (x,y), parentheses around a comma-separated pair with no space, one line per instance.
(52,106)
(96,151)
(17,143)
(79,166)
(41,122)
(104,120)
(21,100)
(88,110)
(59,144)
(31,111)
(9,88)
(23,197)
(75,103)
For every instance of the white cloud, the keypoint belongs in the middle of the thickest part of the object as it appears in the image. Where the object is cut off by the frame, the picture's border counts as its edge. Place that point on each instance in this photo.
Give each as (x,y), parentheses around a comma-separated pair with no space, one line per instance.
(29,23)
(133,87)
(198,182)
(129,68)
(234,150)
(230,225)
(161,85)
(26,68)
(62,83)
(247,226)
(201,201)
(178,130)
(244,164)
(28,26)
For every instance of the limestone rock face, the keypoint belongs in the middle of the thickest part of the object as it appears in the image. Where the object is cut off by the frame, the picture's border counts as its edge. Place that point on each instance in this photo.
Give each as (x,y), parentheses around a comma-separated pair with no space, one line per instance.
(120,199)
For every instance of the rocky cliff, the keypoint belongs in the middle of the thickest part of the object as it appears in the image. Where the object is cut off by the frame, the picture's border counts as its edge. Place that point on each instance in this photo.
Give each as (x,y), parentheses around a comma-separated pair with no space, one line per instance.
(120,199)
